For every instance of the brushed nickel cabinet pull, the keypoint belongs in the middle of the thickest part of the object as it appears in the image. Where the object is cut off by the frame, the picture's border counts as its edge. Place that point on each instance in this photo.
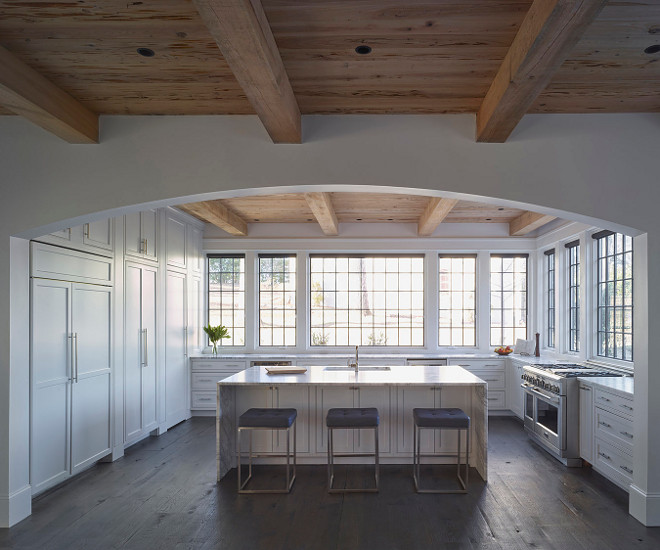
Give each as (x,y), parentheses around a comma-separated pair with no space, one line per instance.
(604,455)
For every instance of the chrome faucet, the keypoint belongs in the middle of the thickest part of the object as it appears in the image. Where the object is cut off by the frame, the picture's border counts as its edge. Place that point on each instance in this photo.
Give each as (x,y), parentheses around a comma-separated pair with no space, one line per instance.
(355,364)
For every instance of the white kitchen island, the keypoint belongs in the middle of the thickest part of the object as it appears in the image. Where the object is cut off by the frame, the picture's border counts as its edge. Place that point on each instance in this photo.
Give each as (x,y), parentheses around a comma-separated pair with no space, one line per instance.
(395,391)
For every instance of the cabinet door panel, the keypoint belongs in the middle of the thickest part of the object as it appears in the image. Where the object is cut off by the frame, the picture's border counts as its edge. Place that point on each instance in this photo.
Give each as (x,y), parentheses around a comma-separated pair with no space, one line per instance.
(259,397)
(586,423)
(91,316)
(132,353)
(149,371)
(195,255)
(176,377)
(149,232)
(328,398)
(51,327)
(294,397)
(50,436)
(98,234)
(194,314)
(133,234)
(176,243)
(378,397)
(408,399)
(90,420)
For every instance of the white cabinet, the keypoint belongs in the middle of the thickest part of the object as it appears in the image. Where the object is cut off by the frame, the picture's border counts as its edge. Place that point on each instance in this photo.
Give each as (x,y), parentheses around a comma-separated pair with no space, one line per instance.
(194,250)
(140,356)
(586,423)
(176,352)
(71,369)
(514,391)
(348,441)
(176,243)
(141,235)
(205,373)
(613,435)
(493,372)
(284,397)
(95,237)
(409,398)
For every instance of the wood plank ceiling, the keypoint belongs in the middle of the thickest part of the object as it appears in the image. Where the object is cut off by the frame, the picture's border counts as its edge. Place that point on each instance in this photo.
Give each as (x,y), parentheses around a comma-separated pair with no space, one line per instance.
(433,56)
(329,210)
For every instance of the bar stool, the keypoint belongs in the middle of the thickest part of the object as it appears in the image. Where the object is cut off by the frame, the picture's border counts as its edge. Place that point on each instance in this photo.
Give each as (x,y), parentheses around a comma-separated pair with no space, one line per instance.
(446,419)
(351,418)
(268,419)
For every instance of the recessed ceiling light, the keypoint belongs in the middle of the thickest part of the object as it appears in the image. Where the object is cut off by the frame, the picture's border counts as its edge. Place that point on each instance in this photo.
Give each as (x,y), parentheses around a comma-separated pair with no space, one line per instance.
(653,49)
(363,49)
(146,52)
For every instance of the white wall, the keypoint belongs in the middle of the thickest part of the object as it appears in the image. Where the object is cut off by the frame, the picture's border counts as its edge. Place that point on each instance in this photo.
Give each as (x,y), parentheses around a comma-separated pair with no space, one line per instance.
(601,167)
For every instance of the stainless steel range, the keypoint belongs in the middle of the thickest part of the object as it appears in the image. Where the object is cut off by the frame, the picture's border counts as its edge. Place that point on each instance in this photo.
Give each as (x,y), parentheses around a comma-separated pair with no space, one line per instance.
(551,407)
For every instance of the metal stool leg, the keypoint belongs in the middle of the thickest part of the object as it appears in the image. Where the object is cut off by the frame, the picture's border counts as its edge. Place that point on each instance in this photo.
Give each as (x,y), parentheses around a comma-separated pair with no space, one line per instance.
(377,457)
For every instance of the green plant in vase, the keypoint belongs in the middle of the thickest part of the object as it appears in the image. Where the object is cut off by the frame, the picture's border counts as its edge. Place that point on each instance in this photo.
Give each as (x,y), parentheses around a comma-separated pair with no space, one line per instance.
(216,334)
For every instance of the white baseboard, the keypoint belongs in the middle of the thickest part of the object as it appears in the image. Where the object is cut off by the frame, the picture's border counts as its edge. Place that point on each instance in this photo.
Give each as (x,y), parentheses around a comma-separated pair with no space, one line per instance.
(644,507)
(15,507)
(202,412)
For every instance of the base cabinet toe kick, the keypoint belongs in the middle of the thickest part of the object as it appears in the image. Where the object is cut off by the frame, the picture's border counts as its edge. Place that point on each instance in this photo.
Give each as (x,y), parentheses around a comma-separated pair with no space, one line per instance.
(395,393)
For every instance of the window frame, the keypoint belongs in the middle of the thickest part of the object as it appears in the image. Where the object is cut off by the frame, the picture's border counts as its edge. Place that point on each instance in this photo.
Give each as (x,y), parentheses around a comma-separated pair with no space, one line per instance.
(573,249)
(221,342)
(363,255)
(464,256)
(490,295)
(550,297)
(258,309)
(596,281)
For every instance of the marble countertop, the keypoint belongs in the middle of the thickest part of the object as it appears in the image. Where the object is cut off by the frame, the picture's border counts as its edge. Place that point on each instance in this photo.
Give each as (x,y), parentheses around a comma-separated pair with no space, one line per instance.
(411,375)
(622,385)
(363,355)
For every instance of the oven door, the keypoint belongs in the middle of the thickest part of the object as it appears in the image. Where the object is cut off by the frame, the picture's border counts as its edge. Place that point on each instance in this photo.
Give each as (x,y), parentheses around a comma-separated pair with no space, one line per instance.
(545,415)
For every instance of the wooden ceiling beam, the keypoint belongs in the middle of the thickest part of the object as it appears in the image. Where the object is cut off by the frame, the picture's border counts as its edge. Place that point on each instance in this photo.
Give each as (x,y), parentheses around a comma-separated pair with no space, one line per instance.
(435,212)
(323,211)
(219,215)
(546,36)
(528,222)
(25,92)
(241,30)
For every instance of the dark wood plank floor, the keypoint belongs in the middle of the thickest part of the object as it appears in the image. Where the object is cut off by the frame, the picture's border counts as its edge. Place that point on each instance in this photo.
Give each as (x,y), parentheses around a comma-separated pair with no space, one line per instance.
(163,495)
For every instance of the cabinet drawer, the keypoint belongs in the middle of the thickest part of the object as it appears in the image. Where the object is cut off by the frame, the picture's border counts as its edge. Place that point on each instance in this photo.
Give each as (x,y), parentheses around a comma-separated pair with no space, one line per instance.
(614,463)
(496,379)
(613,402)
(478,364)
(496,399)
(614,429)
(208,380)
(218,365)
(204,400)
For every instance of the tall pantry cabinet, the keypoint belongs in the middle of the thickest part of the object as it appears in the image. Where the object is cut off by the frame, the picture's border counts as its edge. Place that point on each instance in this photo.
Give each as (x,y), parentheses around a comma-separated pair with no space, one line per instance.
(182,311)
(71,348)
(115,314)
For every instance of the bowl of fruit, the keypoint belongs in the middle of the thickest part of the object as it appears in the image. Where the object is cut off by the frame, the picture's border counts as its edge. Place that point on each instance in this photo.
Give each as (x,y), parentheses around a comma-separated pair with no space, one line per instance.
(503,350)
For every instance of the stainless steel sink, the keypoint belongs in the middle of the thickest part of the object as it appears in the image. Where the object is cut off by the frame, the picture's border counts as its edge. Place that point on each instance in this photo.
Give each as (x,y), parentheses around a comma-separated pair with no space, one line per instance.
(347,369)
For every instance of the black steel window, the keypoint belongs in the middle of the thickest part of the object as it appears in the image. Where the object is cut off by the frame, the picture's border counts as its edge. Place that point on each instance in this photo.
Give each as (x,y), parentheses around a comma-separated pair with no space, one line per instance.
(550,297)
(508,298)
(277,300)
(614,295)
(369,300)
(457,301)
(573,264)
(226,276)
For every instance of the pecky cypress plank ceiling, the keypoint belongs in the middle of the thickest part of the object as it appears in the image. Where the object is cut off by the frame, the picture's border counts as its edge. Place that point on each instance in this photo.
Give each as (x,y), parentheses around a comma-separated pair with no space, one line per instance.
(434,56)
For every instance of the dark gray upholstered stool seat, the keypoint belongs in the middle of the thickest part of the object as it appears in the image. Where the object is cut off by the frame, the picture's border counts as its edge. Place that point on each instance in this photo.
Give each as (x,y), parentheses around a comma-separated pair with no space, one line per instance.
(268,419)
(446,419)
(441,418)
(352,418)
